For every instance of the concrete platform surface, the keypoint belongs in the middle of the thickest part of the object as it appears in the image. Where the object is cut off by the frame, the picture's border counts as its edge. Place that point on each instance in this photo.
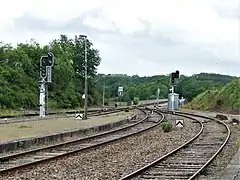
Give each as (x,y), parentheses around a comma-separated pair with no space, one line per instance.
(46,127)
(232,171)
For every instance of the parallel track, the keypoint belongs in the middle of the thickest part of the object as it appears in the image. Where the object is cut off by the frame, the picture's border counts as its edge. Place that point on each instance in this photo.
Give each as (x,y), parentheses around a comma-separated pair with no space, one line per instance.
(27,119)
(73,112)
(20,160)
(190,159)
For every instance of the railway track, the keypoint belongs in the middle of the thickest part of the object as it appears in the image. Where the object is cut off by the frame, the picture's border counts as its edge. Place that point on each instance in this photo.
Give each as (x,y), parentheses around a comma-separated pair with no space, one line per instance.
(34,118)
(190,159)
(109,108)
(29,158)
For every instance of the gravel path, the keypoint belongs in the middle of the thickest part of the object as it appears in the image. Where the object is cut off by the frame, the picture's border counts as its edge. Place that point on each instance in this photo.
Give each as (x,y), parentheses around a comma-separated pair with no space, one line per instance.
(114,160)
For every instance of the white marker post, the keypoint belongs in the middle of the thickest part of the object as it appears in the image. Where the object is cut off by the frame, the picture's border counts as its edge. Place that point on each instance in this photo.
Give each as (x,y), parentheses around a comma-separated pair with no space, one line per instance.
(179,123)
(78,116)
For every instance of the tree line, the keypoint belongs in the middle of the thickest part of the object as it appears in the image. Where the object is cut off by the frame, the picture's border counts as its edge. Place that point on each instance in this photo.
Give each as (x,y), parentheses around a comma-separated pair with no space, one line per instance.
(19,77)
(145,88)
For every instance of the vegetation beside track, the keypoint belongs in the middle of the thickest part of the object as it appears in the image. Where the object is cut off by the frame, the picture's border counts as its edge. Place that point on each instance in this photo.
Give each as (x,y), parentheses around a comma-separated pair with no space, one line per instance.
(226,99)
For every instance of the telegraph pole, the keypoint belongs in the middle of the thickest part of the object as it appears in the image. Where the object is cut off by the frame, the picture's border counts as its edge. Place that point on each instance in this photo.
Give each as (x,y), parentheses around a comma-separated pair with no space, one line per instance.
(86,78)
(158,92)
(172,97)
(103,98)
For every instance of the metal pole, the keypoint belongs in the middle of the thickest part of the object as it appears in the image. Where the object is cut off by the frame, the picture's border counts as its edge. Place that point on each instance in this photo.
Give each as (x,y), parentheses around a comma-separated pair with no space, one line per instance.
(42,98)
(172,97)
(158,92)
(46,109)
(86,82)
(103,98)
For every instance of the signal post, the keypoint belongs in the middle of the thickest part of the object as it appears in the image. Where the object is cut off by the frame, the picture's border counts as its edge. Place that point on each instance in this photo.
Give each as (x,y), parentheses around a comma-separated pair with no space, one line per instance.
(46,63)
(174,76)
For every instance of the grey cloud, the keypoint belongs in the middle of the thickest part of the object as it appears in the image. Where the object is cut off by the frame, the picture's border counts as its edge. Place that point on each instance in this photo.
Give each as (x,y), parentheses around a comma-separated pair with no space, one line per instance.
(76,25)
(158,52)
(228,13)
(228,9)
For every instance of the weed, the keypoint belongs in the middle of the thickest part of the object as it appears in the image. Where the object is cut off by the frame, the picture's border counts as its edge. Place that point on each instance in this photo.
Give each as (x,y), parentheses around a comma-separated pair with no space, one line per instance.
(166,126)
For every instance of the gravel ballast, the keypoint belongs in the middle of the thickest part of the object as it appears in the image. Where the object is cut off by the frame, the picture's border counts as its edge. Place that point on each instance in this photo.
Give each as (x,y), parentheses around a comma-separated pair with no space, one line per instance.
(216,167)
(114,160)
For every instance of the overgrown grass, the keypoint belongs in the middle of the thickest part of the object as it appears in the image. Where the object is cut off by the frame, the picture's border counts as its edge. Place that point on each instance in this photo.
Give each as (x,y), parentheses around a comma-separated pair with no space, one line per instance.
(13,113)
(166,126)
(226,99)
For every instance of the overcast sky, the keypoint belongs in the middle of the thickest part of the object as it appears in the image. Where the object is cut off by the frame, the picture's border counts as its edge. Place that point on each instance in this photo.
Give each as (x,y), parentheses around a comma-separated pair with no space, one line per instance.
(144,37)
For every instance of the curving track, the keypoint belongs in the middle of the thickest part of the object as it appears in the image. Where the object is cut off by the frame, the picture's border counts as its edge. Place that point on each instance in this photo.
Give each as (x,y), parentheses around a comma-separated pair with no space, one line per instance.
(190,159)
(29,158)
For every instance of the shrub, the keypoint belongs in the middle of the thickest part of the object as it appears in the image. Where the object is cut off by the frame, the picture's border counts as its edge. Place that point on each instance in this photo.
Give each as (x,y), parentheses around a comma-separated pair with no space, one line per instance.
(166,126)
(135,100)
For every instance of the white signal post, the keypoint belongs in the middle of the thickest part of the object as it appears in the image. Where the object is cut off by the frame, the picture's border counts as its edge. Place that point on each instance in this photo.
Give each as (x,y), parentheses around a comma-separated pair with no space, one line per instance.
(42,99)
(46,63)
(172,97)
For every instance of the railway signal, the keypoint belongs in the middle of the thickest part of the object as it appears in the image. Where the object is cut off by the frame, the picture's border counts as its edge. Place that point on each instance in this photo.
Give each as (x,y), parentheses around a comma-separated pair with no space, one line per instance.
(43,71)
(46,63)
(174,76)
(177,74)
(50,59)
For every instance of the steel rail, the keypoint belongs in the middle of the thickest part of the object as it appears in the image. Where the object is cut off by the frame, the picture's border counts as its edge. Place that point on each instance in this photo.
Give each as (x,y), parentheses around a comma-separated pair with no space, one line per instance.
(5,158)
(92,114)
(218,151)
(187,115)
(135,173)
(81,111)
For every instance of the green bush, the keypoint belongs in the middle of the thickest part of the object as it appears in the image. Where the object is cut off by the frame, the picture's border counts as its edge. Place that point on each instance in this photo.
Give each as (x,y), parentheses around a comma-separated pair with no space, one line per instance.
(166,126)
(135,100)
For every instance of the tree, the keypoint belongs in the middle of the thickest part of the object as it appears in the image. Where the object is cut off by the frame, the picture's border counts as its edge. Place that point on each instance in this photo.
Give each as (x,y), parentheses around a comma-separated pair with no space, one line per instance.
(19,73)
(19,76)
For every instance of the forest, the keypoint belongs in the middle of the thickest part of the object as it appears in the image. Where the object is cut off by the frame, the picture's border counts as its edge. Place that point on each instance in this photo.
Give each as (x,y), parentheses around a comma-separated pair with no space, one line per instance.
(19,77)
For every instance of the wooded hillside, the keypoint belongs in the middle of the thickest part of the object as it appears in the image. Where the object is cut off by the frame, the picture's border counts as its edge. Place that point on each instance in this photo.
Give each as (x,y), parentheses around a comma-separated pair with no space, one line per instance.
(19,76)
(226,99)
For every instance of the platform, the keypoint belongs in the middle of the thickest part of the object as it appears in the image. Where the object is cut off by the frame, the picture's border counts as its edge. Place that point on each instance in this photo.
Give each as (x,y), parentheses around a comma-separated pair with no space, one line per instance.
(46,127)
